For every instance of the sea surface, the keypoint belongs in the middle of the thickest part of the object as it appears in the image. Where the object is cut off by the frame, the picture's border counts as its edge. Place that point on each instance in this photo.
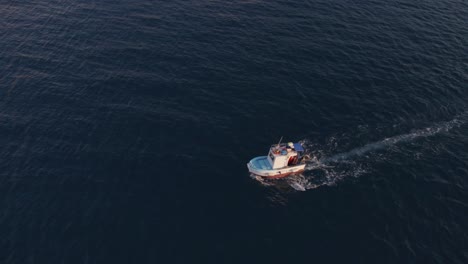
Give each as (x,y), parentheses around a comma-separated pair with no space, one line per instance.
(126,126)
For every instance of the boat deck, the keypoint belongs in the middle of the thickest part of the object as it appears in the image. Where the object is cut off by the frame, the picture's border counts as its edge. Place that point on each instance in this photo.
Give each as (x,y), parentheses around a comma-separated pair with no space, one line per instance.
(261,163)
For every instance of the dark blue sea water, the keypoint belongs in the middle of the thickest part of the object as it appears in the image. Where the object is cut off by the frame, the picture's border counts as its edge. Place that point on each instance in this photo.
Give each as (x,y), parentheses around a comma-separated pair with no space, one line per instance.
(126,126)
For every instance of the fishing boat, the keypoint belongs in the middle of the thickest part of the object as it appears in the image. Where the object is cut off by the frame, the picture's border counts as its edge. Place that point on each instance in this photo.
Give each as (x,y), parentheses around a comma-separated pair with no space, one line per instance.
(283,159)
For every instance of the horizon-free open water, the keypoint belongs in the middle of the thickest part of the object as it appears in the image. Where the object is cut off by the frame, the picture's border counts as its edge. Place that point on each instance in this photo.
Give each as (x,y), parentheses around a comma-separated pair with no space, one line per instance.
(126,128)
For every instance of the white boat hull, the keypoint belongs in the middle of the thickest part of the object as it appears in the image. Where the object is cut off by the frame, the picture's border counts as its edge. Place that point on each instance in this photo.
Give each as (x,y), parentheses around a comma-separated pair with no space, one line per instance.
(260,166)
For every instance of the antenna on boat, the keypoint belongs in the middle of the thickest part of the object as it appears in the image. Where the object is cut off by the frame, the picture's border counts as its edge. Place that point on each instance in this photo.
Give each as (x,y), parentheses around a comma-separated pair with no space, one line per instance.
(280,141)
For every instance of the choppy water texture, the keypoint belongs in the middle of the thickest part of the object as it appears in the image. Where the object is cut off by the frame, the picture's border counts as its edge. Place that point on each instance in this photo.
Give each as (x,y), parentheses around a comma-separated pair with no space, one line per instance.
(126,128)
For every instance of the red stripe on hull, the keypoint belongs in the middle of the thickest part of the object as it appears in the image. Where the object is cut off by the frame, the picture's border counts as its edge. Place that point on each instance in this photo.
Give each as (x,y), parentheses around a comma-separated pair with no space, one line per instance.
(282,175)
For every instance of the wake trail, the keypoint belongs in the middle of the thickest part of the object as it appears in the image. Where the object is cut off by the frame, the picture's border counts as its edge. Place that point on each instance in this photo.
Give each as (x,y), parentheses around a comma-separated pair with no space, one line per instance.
(388,142)
(327,171)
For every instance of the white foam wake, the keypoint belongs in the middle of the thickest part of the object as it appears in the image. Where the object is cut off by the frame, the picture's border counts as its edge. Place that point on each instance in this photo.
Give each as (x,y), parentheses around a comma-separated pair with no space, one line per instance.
(388,142)
(330,170)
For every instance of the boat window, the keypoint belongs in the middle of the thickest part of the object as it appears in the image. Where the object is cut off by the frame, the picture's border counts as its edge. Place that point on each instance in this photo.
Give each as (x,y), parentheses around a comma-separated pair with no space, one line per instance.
(272,157)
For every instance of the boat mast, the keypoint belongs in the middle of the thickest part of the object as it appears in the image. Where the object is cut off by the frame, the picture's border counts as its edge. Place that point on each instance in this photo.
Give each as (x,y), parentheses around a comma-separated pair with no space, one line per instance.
(280,141)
